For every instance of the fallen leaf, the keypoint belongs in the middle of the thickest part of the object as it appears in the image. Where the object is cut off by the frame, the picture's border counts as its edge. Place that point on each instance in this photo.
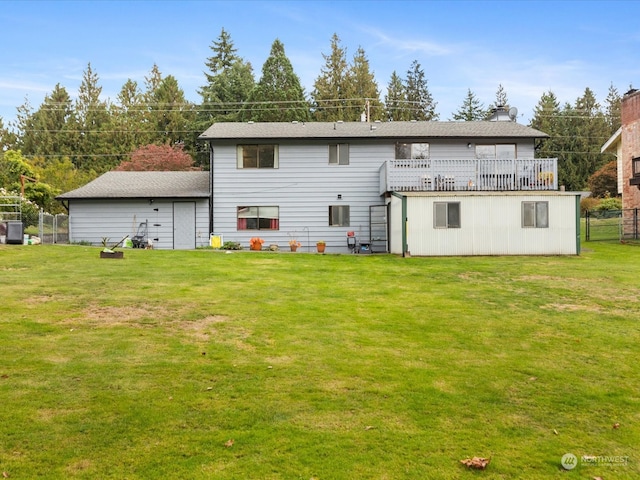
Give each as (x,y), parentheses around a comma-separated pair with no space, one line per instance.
(597,478)
(369,427)
(616,426)
(555,431)
(5,474)
(228,443)
(478,463)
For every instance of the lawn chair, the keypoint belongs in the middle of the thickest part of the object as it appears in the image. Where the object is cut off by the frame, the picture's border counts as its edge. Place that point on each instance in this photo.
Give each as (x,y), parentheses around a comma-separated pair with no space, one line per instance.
(139,240)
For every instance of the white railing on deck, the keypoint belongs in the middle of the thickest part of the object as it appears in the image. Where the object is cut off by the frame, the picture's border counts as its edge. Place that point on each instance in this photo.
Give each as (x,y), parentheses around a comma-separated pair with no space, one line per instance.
(475,175)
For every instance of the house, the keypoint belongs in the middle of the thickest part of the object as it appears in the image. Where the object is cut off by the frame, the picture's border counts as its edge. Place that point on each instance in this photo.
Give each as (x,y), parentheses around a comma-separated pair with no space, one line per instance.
(174,205)
(625,145)
(419,188)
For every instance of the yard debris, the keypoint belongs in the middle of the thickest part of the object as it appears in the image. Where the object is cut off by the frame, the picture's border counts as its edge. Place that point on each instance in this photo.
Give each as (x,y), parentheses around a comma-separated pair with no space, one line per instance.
(479,463)
(369,427)
(5,474)
(228,443)
(616,426)
(555,431)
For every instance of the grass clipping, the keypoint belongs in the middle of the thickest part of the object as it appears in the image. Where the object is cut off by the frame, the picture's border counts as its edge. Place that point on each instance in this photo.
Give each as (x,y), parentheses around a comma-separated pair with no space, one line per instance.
(478,463)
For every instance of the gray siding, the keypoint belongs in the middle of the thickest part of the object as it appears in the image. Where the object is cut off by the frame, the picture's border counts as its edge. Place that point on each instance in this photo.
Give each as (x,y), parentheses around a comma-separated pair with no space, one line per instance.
(91,220)
(303,187)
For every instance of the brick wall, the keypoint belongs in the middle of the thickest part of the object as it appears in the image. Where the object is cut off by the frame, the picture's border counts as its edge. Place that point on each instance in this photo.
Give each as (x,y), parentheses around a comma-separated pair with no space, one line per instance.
(630,139)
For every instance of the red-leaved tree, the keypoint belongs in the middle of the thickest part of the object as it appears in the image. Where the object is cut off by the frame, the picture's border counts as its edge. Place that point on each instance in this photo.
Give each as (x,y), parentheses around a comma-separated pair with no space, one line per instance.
(159,158)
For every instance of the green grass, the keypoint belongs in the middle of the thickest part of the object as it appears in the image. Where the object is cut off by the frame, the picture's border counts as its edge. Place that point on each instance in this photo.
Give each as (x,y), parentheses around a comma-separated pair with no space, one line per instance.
(317,366)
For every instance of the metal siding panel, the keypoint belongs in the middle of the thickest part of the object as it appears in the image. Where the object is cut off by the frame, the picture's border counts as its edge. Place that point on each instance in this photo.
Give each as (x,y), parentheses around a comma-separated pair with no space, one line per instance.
(491,225)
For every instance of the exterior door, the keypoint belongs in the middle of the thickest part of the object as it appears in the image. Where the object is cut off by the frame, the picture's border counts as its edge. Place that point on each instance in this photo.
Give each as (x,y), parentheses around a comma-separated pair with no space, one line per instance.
(184,225)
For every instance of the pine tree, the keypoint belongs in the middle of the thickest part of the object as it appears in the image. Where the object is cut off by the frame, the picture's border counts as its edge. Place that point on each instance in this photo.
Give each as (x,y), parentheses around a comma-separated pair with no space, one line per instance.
(331,88)
(471,109)
(395,100)
(94,125)
(612,109)
(363,89)
(418,96)
(172,113)
(130,120)
(278,95)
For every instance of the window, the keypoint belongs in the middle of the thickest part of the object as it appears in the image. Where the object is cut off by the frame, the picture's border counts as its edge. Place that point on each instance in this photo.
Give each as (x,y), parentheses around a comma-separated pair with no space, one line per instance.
(636,166)
(339,154)
(258,218)
(339,215)
(446,215)
(257,156)
(501,150)
(415,151)
(535,214)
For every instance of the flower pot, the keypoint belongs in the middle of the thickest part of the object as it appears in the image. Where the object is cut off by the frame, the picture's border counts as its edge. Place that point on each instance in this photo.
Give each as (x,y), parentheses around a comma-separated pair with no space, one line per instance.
(320,247)
(294,248)
(256,246)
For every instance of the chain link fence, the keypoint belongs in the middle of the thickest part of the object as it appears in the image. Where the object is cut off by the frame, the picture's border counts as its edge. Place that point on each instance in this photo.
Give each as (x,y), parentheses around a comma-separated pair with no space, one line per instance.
(53,228)
(612,224)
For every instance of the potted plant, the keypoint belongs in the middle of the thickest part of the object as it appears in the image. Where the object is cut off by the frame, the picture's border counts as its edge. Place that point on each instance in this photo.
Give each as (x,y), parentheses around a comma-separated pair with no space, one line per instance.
(321,245)
(256,243)
(294,244)
(110,252)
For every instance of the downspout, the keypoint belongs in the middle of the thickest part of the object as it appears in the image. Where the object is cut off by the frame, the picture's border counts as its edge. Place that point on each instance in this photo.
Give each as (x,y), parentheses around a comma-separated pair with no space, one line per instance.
(577,224)
(403,198)
(210,189)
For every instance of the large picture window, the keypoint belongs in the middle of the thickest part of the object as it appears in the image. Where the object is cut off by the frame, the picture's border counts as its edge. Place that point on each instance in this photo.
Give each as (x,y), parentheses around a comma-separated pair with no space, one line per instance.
(257,156)
(446,215)
(339,154)
(258,218)
(339,215)
(412,151)
(500,150)
(535,214)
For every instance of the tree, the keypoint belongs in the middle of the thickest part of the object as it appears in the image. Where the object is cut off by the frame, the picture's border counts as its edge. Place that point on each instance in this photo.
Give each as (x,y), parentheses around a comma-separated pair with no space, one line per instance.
(363,88)
(51,130)
(331,90)
(278,95)
(471,109)
(130,120)
(501,101)
(94,145)
(395,100)
(418,96)
(161,158)
(612,109)
(8,139)
(604,182)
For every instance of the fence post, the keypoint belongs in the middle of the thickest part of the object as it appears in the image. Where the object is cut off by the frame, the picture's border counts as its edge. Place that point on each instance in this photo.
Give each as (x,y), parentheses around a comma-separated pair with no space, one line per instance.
(586,225)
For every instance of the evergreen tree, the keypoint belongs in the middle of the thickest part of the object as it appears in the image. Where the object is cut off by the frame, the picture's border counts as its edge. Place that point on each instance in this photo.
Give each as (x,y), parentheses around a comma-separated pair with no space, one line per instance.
(471,109)
(612,109)
(171,113)
(278,96)
(395,100)
(8,139)
(331,90)
(501,101)
(363,88)
(94,145)
(130,120)
(418,96)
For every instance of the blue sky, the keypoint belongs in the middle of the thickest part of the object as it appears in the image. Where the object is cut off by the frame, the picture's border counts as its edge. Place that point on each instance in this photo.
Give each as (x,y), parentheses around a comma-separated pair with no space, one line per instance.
(527,46)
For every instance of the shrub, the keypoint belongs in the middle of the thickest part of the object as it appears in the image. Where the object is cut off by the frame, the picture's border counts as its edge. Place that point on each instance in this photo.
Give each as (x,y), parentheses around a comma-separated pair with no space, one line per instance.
(231,246)
(588,204)
(610,203)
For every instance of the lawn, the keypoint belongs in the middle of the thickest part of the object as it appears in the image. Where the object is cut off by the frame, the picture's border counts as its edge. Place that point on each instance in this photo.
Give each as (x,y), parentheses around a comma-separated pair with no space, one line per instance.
(262,365)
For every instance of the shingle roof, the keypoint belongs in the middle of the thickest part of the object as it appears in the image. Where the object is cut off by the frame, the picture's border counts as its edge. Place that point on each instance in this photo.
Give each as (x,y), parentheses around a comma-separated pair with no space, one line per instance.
(144,185)
(377,130)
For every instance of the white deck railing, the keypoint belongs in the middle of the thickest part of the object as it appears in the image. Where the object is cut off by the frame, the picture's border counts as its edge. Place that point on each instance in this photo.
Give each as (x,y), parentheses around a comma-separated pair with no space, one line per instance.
(475,174)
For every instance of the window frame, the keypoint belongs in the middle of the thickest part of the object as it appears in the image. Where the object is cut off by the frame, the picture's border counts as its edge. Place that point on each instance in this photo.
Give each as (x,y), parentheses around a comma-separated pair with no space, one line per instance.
(258,222)
(269,163)
(635,167)
(535,214)
(341,155)
(450,218)
(342,214)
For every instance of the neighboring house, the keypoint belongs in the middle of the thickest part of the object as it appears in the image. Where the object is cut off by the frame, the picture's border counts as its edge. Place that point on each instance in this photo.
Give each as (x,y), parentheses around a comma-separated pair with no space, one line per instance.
(625,144)
(419,188)
(175,206)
